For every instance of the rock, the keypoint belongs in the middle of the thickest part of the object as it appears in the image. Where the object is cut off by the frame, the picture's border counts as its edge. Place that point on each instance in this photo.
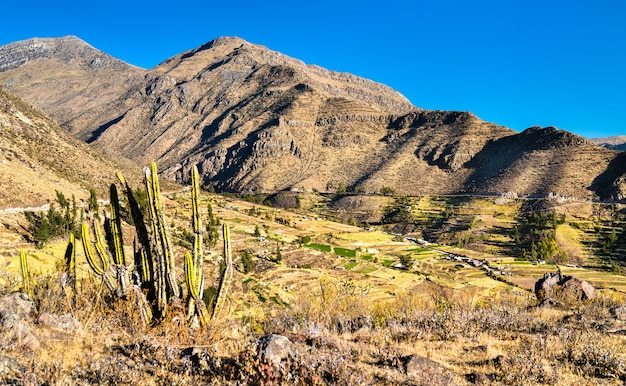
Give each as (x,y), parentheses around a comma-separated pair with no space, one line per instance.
(276,348)
(20,304)
(619,313)
(14,330)
(563,288)
(10,368)
(420,367)
(63,323)
(354,325)
(477,378)
(576,289)
(544,287)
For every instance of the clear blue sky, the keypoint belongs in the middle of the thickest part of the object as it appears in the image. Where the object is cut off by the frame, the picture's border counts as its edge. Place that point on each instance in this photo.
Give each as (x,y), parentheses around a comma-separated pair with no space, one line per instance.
(518,63)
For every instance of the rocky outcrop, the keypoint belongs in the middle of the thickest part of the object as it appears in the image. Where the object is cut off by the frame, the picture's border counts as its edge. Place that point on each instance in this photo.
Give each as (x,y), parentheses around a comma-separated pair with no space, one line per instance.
(566,289)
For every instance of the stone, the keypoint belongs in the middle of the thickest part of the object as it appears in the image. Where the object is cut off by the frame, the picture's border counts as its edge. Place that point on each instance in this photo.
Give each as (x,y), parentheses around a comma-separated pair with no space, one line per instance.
(20,304)
(421,367)
(477,378)
(10,368)
(60,323)
(544,287)
(275,349)
(16,331)
(563,288)
(619,313)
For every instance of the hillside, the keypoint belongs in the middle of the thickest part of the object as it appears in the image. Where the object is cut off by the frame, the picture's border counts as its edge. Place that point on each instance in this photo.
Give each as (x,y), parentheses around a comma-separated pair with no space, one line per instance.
(252,118)
(37,157)
(64,77)
(617,142)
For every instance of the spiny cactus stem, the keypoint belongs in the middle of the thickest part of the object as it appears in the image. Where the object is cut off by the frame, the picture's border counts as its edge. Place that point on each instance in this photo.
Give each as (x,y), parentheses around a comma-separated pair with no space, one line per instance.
(25,274)
(70,262)
(89,253)
(226,276)
(100,246)
(116,227)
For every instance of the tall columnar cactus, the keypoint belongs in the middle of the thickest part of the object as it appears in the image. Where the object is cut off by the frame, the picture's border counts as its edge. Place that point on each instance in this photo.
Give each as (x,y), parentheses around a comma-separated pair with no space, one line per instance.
(143,251)
(117,249)
(226,275)
(69,277)
(25,274)
(165,282)
(193,264)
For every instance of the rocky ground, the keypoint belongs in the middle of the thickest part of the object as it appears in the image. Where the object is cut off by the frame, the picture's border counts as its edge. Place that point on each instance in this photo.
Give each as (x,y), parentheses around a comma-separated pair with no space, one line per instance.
(439,336)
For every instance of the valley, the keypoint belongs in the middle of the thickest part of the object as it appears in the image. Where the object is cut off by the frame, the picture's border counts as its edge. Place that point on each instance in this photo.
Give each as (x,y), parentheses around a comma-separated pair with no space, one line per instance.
(333,233)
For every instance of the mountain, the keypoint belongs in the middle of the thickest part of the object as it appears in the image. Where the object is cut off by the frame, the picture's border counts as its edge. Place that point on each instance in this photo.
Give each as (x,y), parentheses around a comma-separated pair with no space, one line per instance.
(252,118)
(63,77)
(37,158)
(617,142)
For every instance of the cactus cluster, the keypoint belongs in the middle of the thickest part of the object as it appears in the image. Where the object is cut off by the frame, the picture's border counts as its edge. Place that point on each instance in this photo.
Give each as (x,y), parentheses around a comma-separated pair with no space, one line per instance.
(153,269)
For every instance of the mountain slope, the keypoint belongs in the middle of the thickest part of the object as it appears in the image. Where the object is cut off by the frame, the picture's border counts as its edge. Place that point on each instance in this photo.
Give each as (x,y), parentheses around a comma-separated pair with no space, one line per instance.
(617,142)
(37,158)
(64,77)
(252,118)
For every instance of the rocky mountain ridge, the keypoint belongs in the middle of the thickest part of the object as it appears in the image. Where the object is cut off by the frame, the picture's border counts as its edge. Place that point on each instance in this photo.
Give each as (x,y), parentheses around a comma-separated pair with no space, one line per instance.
(251,118)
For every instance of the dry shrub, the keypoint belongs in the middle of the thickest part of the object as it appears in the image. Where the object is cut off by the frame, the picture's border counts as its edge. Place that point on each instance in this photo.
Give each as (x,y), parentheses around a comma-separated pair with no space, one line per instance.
(335,307)
(527,363)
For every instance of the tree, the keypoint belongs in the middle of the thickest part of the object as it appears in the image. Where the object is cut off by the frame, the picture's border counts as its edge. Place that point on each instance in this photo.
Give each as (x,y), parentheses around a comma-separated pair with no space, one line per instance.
(212,228)
(279,254)
(257,231)
(246,261)
(341,188)
(387,191)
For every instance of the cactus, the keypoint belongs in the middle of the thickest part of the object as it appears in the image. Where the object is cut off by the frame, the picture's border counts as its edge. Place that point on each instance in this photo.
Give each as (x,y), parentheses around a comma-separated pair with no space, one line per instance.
(225,276)
(143,252)
(154,267)
(193,265)
(89,254)
(195,305)
(164,281)
(69,276)
(117,249)
(100,270)
(25,274)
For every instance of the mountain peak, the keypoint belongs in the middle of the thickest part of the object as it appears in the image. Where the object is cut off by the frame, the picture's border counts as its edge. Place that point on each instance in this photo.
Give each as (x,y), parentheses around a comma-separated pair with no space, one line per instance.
(69,49)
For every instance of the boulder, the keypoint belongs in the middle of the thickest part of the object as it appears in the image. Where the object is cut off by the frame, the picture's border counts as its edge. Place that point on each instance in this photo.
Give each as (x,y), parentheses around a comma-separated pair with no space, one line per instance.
(276,348)
(563,288)
(619,313)
(423,368)
(60,323)
(16,331)
(20,304)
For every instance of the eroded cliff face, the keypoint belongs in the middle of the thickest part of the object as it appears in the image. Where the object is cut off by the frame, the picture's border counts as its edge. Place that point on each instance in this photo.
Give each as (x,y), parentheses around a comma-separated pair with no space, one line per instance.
(252,118)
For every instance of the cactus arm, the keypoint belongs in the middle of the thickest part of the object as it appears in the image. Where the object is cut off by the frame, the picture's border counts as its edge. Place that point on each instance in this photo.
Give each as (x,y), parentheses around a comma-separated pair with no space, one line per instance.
(70,262)
(196,220)
(116,228)
(89,253)
(163,233)
(226,275)
(25,274)
(190,276)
